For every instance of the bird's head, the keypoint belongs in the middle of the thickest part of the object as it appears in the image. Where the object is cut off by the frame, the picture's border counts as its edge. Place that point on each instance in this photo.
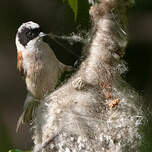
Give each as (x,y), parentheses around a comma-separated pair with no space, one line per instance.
(27,32)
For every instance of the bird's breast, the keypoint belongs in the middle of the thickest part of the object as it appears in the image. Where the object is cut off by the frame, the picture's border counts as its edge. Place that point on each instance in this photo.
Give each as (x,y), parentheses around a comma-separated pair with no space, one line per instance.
(41,76)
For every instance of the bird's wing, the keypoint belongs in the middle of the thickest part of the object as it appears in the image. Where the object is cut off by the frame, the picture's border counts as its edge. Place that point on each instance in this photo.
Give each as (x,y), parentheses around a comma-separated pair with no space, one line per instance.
(20,63)
(28,114)
(66,50)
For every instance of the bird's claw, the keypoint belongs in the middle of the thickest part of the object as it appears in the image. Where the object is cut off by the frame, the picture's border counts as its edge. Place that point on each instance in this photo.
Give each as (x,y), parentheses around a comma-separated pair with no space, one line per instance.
(78,83)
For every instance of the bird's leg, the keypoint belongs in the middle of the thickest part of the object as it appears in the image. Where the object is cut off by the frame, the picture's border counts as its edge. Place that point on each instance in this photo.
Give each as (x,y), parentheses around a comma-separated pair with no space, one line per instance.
(30,105)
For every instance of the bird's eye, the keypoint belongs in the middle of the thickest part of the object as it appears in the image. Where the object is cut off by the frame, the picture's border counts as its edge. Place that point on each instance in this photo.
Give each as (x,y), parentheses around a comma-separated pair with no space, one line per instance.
(30,33)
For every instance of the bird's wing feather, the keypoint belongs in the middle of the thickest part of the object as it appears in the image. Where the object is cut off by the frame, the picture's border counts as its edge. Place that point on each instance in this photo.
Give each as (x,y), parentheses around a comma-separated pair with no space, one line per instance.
(20,63)
(67,52)
(28,114)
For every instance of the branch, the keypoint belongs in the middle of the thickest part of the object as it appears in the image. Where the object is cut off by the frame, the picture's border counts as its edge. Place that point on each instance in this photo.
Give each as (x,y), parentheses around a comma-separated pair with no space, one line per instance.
(95,110)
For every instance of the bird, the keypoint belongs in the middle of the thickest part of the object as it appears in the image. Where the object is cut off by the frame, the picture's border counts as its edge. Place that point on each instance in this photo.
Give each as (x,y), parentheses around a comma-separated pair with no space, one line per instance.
(41,63)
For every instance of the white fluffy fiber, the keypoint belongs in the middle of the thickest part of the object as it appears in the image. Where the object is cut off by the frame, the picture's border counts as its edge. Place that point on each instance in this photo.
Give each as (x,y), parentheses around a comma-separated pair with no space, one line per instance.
(70,120)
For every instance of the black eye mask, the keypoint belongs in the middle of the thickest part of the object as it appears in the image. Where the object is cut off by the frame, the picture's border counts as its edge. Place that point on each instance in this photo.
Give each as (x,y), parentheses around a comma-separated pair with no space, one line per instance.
(27,34)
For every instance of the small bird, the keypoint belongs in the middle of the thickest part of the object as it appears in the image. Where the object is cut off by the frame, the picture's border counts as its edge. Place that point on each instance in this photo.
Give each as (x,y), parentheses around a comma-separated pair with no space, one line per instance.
(39,64)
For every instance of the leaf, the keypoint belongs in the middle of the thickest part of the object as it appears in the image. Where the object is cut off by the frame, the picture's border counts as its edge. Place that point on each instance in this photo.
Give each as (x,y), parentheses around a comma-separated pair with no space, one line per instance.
(74,5)
(17,150)
(83,19)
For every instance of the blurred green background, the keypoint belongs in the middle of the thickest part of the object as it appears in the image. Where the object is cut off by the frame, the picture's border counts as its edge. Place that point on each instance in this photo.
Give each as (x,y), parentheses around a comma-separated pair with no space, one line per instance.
(56,17)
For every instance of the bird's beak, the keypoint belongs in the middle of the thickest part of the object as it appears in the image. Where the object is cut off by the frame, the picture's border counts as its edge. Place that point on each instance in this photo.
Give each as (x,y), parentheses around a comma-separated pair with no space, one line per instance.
(42,34)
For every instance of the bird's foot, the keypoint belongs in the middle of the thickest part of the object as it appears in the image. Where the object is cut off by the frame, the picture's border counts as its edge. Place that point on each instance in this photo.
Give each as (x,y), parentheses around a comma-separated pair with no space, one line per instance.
(78,83)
